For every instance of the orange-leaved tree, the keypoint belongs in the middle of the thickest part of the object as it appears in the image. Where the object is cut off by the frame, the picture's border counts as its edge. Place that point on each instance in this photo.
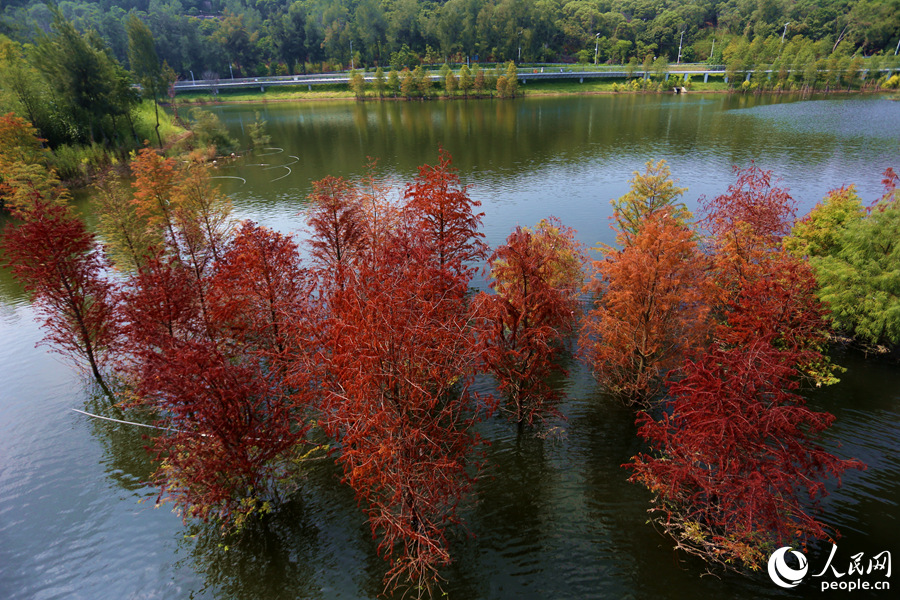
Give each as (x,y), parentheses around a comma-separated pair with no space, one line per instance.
(651,309)
(736,465)
(24,171)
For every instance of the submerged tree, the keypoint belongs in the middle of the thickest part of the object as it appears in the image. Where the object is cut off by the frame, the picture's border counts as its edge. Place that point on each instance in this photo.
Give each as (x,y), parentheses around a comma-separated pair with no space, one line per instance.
(762,291)
(736,467)
(537,278)
(400,349)
(210,356)
(651,310)
(60,264)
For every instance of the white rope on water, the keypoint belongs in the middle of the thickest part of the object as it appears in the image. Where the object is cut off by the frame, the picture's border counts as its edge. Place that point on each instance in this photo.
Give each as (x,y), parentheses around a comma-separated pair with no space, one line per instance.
(285,175)
(93,416)
(87,414)
(279,151)
(294,162)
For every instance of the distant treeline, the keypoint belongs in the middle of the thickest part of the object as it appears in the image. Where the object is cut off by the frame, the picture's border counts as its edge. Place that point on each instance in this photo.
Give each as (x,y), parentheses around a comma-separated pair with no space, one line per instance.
(261,37)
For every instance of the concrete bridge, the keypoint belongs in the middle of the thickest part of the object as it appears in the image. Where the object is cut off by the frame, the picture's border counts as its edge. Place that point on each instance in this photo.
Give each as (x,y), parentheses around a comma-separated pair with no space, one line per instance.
(524,75)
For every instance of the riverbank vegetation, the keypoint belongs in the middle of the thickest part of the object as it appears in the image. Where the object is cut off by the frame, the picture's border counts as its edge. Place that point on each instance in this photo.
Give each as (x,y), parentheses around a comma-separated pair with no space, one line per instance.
(255,361)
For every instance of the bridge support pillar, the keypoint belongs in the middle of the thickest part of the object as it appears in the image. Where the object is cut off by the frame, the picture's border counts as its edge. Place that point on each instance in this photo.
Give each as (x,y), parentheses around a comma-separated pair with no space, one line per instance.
(705,77)
(667,76)
(747,78)
(262,89)
(581,80)
(309,85)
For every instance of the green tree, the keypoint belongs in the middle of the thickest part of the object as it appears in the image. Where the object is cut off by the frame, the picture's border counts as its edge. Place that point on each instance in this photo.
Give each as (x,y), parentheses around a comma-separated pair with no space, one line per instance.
(479,83)
(83,77)
(652,192)
(258,136)
(819,233)
(379,82)
(407,83)
(855,257)
(393,82)
(465,80)
(358,84)
(422,80)
(145,64)
(512,79)
(210,131)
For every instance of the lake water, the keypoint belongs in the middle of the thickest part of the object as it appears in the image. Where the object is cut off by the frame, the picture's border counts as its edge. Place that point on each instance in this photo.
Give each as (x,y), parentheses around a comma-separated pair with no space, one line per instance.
(552,518)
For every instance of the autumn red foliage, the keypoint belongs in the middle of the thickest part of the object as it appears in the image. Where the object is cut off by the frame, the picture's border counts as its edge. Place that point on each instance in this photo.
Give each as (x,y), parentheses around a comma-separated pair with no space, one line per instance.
(754,205)
(61,265)
(762,291)
(738,465)
(400,350)
(444,214)
(537,277)
(335,216)
(211,356)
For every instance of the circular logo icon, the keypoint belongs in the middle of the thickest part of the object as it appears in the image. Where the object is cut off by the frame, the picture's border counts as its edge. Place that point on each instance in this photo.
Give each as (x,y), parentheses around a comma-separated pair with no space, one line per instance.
(781,573)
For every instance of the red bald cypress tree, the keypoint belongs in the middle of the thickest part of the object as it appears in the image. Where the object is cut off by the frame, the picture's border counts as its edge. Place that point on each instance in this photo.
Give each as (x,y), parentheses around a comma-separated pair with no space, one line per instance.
(400,349)
(61,266)
(537,277)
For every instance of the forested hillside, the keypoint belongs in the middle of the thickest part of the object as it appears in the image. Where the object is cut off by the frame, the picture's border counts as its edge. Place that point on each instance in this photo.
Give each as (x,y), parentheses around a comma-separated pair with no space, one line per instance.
(247,37)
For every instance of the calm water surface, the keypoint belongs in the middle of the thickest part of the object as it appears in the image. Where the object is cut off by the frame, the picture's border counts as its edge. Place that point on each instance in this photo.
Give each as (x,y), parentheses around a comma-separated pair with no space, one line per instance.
(552,518)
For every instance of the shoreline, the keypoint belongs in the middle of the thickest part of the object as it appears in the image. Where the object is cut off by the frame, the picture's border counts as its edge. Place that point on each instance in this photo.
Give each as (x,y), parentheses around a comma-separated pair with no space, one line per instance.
(347,96)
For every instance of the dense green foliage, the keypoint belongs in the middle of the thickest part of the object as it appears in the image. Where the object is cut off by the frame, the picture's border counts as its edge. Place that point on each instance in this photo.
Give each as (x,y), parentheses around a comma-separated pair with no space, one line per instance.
(855,253)
(81,101)
(263,37)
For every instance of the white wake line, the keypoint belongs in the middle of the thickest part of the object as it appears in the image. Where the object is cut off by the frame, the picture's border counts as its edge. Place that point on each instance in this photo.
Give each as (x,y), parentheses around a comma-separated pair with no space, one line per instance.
(280,150)
(228,177)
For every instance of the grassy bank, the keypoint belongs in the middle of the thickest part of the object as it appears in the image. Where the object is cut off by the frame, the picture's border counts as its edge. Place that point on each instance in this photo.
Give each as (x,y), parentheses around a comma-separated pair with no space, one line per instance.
(77,164)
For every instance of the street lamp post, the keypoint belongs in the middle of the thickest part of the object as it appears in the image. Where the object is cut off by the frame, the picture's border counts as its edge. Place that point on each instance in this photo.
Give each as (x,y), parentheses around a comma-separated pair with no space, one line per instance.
(351,55)
(596,47)
(192,79)
(785,31)
(519,43)
(231,68)
(678,60)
